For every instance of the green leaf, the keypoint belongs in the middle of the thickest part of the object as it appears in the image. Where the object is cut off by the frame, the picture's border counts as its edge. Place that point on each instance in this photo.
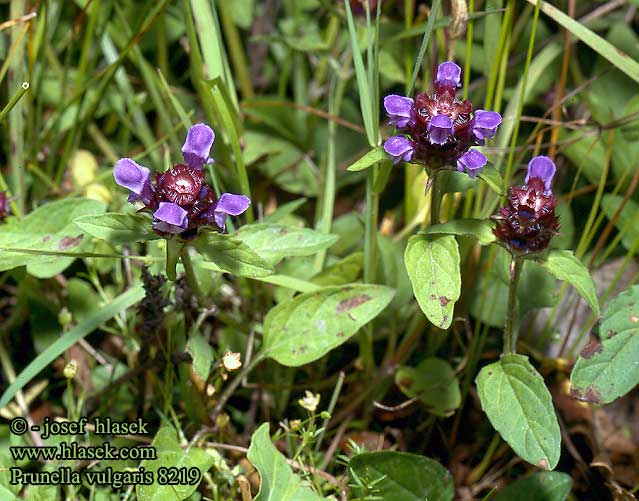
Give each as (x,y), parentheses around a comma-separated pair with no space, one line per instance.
(492,178)
(51,228)
(278,482)
(171,455)
(371,158)
(202,353)
(613,54)
(434,383)
(540,486)
(564,265)
(273,242)
(118,228)
(305,328)
(515,399)
(400,476)
(433,268)
(231,255)
(480,229)
(607,368)
(68,339)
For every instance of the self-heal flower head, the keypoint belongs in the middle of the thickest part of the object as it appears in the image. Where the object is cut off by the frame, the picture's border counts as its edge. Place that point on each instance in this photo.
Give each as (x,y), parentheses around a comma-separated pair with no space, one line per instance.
(438,129)
(180,200)
(400,110)
(399,148)
(543,168)
(527,222)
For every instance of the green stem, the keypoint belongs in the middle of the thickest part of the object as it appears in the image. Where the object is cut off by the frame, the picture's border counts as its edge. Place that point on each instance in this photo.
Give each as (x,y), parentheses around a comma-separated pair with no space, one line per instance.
(435,199)
(510,334)
(236,50)
(191,277)
(370,258)
(173,251)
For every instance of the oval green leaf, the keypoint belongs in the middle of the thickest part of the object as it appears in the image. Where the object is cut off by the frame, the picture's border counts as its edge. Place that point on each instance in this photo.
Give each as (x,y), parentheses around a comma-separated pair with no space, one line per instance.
(519,406)
(371,158)
(278,482)
(434,383)
(400,476)
(171,455)
(564,265)
(540,486)
(274,242)
(607,368)
(308,326)
(433,268)
(231,255)
(118,228)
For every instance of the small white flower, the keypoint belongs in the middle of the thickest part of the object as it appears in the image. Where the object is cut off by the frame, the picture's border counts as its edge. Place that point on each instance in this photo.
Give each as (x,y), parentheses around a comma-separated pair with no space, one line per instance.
(231,361)
(310,401)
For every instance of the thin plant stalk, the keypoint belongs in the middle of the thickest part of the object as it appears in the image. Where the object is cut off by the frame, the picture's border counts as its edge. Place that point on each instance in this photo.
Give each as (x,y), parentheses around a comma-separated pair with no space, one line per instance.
(510,334)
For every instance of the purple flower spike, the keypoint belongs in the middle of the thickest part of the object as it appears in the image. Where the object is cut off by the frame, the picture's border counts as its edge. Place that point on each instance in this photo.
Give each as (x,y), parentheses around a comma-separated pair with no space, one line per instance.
(472,162)
(135,178)
(440,128)
(485,124)
(197,146)
(400,110)
(228,205)
(170,218)
(543,168)
(399,148)
(448,75)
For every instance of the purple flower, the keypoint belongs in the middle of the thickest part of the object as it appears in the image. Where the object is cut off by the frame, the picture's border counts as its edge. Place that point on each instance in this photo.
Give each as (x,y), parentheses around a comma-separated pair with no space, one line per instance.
(472,162)
(135,178)
(399,148)
(180,200)
(528,222)
(197,146)
(228,204)
(485,124)
(543,168)
(170,218)
(448,75)
(400,110)
(440,128)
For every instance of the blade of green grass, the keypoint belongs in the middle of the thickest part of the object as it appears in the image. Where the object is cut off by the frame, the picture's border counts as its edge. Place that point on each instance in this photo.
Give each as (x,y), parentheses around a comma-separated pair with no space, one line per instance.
(608,51)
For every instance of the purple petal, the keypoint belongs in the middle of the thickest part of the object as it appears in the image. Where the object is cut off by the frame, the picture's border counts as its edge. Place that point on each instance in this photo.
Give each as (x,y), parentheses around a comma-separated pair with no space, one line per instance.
(439,128)
(485,124)
(197,146)
(170,218)
(448,75)
(543,168)
(135,178)
(399,109)
(472,162)
(399,148)
(231,205)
